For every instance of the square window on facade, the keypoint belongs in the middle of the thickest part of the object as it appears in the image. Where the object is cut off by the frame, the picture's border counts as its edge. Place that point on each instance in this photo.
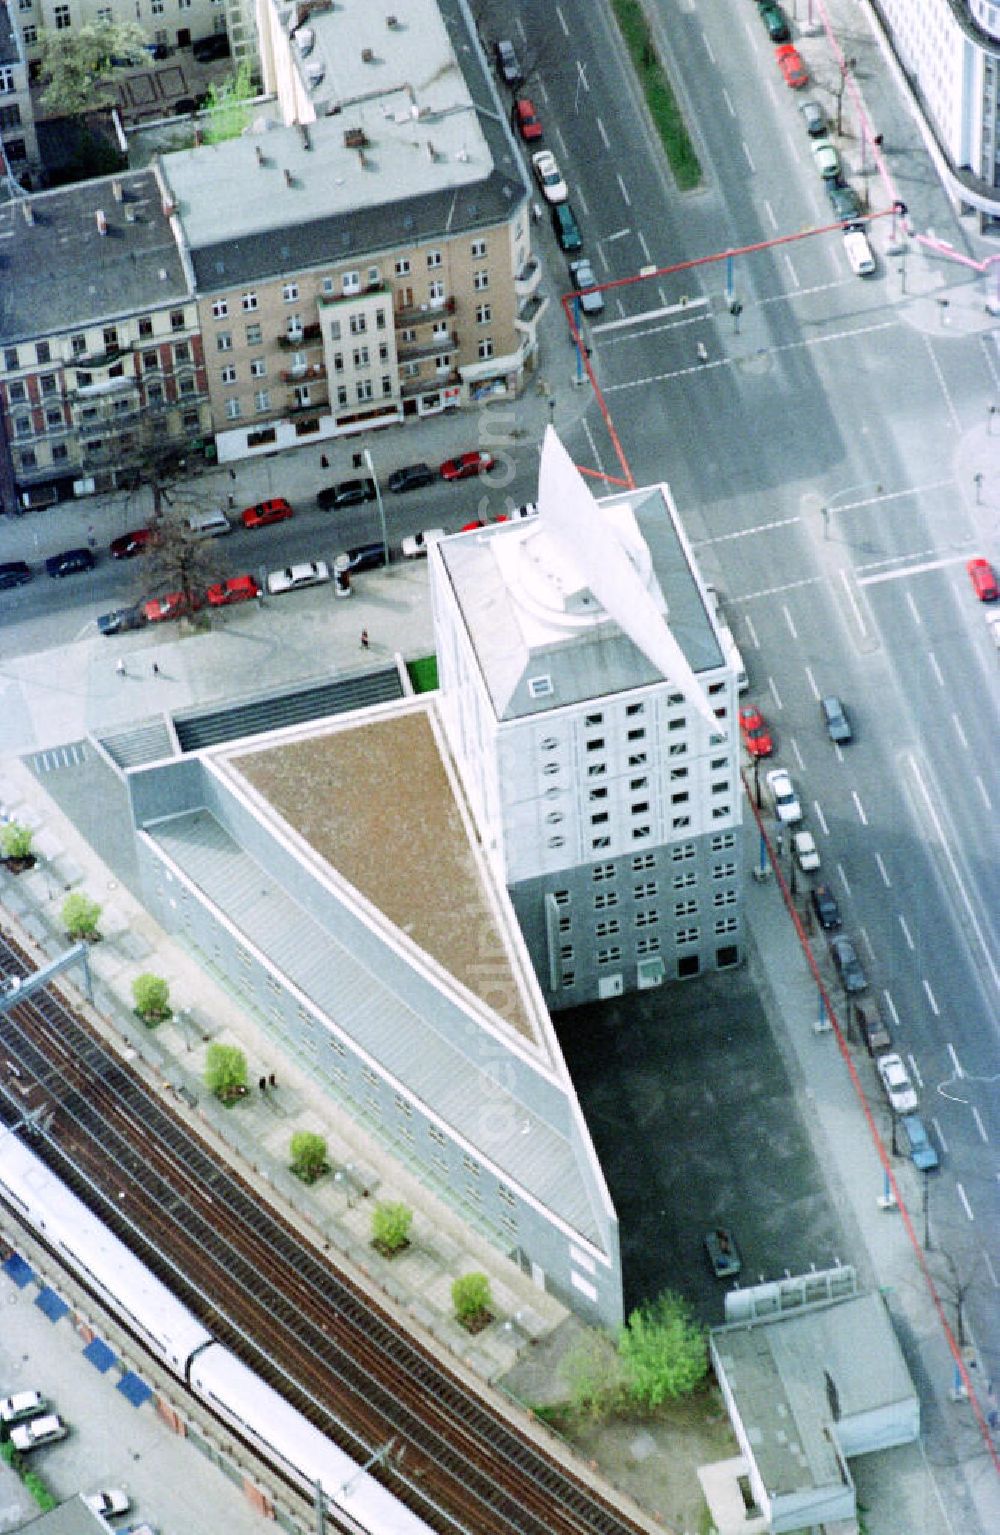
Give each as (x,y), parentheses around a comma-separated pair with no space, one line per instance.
(258,367)
(249,301)
(480,281)
(478,248)
(402,267)
(224,341)
(10,358)
(220,309)
(43,351)
(229,374)
(290,292)
(233,410)
(484,348)
(177,321)
(145,328)
(255,334)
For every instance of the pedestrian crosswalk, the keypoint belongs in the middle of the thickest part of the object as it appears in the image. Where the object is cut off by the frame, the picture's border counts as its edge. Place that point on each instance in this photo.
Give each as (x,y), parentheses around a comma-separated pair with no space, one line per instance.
(59,757)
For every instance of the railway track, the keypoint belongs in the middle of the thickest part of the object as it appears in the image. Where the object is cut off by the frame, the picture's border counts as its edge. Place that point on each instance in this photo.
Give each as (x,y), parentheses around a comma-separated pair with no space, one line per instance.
(299,1322)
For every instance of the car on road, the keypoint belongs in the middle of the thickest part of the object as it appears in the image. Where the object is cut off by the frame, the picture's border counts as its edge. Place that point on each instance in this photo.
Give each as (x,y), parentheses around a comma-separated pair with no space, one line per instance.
(526,120)
(756,736)
(827,159)
(775,23)
(549,176)
(294,577)
(365,557)
(582,277)
(13,573)
(793,70)
(805,851)
(130,544)
(814,118)
(858,251)
(824,904)
(37,1432)
(566,228)
(417,544)
(159,610)
(896,1084)
(984,581)
(918,1144)
(783,797)
(838,726)
(723,1254)
(121,619)
(346,493)
(70,563)
(845,958)
(466,465)
(276,509)
(508,64)
(109,1502)
(411,477)
(844,201)
(236,589)
(22,1405)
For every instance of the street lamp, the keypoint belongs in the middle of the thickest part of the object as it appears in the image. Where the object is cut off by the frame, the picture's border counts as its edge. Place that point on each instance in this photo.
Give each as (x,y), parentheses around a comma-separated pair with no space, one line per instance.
(847,490)
(366,454)
(552,410)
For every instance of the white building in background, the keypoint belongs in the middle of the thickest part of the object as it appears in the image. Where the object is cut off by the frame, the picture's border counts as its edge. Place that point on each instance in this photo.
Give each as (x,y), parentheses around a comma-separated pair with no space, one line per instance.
(591,707)
(949,52)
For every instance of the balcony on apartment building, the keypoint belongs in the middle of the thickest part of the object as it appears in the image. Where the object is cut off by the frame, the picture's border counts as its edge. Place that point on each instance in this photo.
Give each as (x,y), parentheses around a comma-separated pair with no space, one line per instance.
(418,314)
(436,346)
(306,335)
(528,278)
(443,380)
(331,300)
(303,373)
(296,407)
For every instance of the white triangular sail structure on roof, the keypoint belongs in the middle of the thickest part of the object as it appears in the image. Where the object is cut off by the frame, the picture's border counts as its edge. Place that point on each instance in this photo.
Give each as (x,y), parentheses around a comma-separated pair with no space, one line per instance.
(572,520)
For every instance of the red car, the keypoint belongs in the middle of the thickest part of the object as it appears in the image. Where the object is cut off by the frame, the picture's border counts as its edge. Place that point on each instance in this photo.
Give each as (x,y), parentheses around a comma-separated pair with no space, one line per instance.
(275,510)
(466,466)
(756,736)
(791,66)
(236,589)
(131,543)
(174,605)
(526,119)
(984,582)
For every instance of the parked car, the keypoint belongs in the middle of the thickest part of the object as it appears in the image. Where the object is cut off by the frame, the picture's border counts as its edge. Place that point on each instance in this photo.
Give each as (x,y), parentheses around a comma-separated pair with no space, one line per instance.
(723,1254)
(293,577)
(347,493)
(984,581)
(793,71)
(756,736)
(775,22)
(109,1502)
(22,1405)
(824,904)
(918,1143)
(549,176)
(844,201)
(38,1431)
(814,118)
(566,228)
(784,798)
(365,557)
(466,465)
(805,852)
(526,120)
(858,251)
(70,563)
(130,544)
(121,619)
(417,544)
(838,726)
(276,509)
(159,610)
(845,957)
(13,573)
(236,589)
(582,276)
(508,64)
(411,477)
(827,159)
(896,1084)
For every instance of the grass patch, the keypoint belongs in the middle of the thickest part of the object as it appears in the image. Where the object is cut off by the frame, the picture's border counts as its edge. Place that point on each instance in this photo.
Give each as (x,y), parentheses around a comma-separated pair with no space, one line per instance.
(657,90)
(423,674)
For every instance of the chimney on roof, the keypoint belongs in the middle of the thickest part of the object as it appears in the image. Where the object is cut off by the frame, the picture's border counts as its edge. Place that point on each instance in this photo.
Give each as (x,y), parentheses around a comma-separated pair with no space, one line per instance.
(368,55)
(102,221)
(117,190)
(306,140)
(28,211)
(168,207)
(289,181)
(392,22)
(431,150)
(354,138)
(259,153)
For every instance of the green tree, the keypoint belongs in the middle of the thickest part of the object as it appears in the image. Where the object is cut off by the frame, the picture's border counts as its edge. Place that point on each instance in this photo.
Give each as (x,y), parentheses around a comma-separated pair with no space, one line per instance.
(594,1375)
(16,839)
(228,107)
(663,1349)
(391,1226)
(470,1296)
(77,65)
(308,1155)
(80,915)
(151,995)
(225,1071)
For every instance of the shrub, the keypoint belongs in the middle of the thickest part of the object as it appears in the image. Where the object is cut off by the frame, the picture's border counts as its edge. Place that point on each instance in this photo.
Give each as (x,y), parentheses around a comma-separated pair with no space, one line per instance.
(225,1072)
(15,839)
(663,1349)
(43,1497)
(80,915)
(470,1296)
(308,1155)
(391,1226)
(151,994)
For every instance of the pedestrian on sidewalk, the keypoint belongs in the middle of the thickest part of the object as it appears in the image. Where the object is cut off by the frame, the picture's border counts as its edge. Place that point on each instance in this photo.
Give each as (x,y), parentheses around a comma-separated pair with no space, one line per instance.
(156,669)
(271,1080)
(364,639)
(262,1084)
(120,668)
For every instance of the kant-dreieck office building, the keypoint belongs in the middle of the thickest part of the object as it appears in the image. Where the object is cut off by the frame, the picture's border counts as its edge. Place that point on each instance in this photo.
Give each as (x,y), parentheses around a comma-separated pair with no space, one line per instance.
(402,893)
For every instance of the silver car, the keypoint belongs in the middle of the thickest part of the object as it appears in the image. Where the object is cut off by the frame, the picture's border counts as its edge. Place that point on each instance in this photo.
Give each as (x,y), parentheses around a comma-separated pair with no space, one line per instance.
(311,573)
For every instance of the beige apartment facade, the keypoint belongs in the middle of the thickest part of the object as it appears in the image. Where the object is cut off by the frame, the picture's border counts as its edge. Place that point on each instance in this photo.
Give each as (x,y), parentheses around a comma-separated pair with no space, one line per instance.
(173,23)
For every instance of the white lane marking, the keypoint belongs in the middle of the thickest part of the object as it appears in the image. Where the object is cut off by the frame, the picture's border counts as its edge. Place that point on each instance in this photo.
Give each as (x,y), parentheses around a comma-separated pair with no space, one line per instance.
(708,47)
(940,1134)
(651,314)
(748,621)
(821,818)
(932,999)
(859,807)
(624,190)
(956,1064)
(839,752)
(849,594)
(788,620)
(606,141)
(770,214)
(645,249)
(581,199)
(867,943)
(911,570)
(915,1070)
(980,1126)
(959,731)
(775,591)
(992,1270)
(843,878)
(935,668)
(890,1004)
(965,1201)
(749,156)
(759,527)
(729,104)
(798,756)
(581,76)
(982,789)
(810,678)
(774,692)
(914,610)
(772,351)
(906,933)
(887,882)
(562,21)
(793,275)
(953,866)
(953,413)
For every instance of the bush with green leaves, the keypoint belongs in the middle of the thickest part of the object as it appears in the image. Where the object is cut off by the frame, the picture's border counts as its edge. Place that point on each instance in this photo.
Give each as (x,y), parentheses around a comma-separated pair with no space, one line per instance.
(15,839)
(470,1296)
(663,1349)
(80,915)
(308,1155)
(45,1499)
(151,995)
(594,1375)
(391,1226)
(225,1072)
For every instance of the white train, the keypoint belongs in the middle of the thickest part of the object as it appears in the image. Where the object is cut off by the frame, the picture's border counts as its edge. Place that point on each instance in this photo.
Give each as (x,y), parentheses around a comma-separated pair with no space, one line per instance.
(230,1388)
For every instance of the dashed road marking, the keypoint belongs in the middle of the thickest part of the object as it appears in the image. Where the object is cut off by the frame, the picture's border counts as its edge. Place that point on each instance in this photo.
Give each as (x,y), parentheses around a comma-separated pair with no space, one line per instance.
(914,611)
(932,999)
(983,1136)
(982,789)
(935,668)
(759,527)
(821,818)
(959,731)
(906,933)
(911,570)
(859,807)
(887,882)
(959,1190)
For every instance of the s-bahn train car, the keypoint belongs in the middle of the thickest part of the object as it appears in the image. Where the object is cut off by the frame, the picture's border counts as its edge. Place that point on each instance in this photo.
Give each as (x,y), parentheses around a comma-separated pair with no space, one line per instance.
(105,1264)
(230,1388)
(259,1414)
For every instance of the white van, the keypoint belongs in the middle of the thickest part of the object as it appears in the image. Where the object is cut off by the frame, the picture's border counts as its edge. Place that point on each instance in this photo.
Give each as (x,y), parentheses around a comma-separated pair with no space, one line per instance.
(859,252)
(209,524)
